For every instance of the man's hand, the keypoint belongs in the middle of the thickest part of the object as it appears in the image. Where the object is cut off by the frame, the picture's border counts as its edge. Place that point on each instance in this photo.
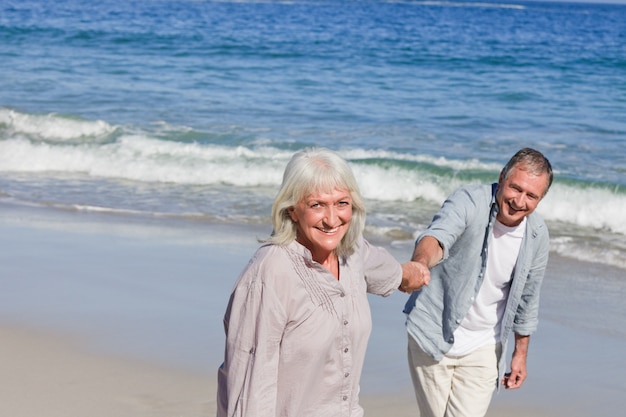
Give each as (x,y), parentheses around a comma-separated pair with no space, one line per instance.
(517,376)
(414,276)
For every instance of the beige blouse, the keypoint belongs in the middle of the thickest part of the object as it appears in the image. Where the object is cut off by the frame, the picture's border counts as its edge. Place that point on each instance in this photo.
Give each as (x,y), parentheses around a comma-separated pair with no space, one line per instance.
(296,336)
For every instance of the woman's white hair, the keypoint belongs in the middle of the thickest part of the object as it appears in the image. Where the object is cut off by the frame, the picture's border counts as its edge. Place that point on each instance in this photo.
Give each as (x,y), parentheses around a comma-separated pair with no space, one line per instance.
(316,170)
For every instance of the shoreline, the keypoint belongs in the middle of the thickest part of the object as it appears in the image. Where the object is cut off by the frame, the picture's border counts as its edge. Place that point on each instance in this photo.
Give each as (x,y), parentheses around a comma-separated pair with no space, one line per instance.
(126,316)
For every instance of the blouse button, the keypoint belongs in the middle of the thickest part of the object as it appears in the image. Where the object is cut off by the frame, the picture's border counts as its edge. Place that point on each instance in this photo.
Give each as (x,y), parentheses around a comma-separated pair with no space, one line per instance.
(345,322)
(346,374)
(345,350)
(345,397)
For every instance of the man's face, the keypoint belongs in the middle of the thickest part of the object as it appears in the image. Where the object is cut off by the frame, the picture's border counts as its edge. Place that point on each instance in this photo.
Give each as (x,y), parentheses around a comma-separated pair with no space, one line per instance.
(519,194)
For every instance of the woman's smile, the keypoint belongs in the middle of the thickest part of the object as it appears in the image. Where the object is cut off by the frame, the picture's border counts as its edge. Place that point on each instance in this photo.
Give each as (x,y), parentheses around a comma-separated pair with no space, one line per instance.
(322,220)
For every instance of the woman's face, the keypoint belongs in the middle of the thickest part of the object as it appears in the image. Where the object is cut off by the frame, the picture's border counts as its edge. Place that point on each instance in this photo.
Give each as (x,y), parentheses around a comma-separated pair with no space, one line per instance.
(322,220)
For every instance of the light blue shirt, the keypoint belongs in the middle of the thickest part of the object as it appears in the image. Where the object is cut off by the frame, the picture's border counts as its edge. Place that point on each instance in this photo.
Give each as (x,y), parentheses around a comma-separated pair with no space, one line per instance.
(462,227)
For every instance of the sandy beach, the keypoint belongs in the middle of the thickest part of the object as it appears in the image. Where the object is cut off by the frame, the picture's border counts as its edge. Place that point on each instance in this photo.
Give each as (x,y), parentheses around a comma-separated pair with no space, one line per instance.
(52,375)
(114,317)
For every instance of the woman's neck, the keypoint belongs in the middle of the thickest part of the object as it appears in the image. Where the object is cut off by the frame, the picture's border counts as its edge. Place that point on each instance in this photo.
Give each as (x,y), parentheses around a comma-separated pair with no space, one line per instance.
(330,262)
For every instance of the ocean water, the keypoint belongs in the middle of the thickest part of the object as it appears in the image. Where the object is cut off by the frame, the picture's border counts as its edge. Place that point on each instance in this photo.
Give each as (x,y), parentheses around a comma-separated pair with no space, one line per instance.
(189,110)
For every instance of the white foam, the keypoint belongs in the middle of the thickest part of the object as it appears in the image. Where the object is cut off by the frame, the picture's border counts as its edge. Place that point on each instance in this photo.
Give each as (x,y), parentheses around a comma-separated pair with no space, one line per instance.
(144,158)
(395,184)
(140,158)
(597,208)
(52,127)
(569,248)
(458,165)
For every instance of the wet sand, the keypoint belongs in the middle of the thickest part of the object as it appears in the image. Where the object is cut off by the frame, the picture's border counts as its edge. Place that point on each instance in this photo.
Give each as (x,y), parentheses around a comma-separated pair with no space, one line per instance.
(109,316)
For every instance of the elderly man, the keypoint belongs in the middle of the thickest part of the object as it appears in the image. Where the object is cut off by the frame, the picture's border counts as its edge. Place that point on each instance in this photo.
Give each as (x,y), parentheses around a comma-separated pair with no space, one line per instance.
(485,254)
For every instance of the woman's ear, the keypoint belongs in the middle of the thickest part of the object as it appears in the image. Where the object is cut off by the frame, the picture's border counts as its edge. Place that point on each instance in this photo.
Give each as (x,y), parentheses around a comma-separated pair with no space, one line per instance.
(292,214)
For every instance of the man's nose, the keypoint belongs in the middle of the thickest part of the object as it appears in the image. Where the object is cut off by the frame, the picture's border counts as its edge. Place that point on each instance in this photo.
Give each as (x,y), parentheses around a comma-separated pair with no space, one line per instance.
(519,201)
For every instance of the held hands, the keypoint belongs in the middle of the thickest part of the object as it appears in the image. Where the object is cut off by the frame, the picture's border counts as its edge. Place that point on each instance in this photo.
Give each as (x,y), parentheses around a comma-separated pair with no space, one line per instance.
(414,276)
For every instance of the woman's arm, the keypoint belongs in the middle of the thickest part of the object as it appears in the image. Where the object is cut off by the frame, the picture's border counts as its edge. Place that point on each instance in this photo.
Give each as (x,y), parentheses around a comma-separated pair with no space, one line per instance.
(254,323)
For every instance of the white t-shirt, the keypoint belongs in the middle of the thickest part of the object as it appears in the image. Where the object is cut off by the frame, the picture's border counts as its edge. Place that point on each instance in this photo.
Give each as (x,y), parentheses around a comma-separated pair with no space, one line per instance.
(481,325)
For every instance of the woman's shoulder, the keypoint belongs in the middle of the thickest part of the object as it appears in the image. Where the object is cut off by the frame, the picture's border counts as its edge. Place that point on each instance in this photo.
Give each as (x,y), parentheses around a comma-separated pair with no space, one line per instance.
(273,270)
(269,263)
(271,254)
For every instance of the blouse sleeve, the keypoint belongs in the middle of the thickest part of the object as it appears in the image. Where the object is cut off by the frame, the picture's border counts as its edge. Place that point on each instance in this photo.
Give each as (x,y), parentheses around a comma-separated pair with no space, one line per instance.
(254,324)
(383,273)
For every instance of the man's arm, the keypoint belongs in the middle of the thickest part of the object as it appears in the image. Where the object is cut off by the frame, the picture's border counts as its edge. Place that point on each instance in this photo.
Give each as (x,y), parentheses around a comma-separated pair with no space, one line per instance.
(517,376)
(428,252)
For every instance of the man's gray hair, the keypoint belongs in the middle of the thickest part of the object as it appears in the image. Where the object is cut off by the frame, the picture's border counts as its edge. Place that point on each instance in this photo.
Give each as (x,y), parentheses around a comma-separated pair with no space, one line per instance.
(532,161)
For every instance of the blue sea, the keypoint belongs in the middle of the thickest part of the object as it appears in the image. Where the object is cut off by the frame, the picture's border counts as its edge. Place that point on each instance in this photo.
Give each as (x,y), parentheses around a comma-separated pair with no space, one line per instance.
(189,110)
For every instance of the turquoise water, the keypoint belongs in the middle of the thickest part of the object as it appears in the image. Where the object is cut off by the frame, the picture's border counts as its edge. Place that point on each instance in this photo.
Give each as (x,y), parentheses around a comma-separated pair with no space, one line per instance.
(190,109)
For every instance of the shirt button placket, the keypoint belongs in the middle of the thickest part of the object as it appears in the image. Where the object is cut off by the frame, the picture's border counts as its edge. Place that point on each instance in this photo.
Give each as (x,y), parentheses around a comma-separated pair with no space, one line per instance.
(347,361)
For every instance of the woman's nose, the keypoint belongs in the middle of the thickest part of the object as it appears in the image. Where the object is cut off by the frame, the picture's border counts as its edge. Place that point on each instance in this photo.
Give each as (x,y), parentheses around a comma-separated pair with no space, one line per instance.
(331,216)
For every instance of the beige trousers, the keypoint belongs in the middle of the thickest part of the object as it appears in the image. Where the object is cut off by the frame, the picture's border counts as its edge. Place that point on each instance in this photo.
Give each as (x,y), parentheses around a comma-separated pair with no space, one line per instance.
(455,386)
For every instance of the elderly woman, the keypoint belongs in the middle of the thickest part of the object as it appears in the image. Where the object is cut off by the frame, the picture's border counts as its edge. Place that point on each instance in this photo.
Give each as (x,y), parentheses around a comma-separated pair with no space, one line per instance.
(298,320)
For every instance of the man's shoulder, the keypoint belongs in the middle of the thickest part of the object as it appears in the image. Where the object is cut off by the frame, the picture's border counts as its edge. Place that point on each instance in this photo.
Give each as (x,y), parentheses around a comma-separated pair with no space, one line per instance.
(537,224)
(483,189)
(475,193)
